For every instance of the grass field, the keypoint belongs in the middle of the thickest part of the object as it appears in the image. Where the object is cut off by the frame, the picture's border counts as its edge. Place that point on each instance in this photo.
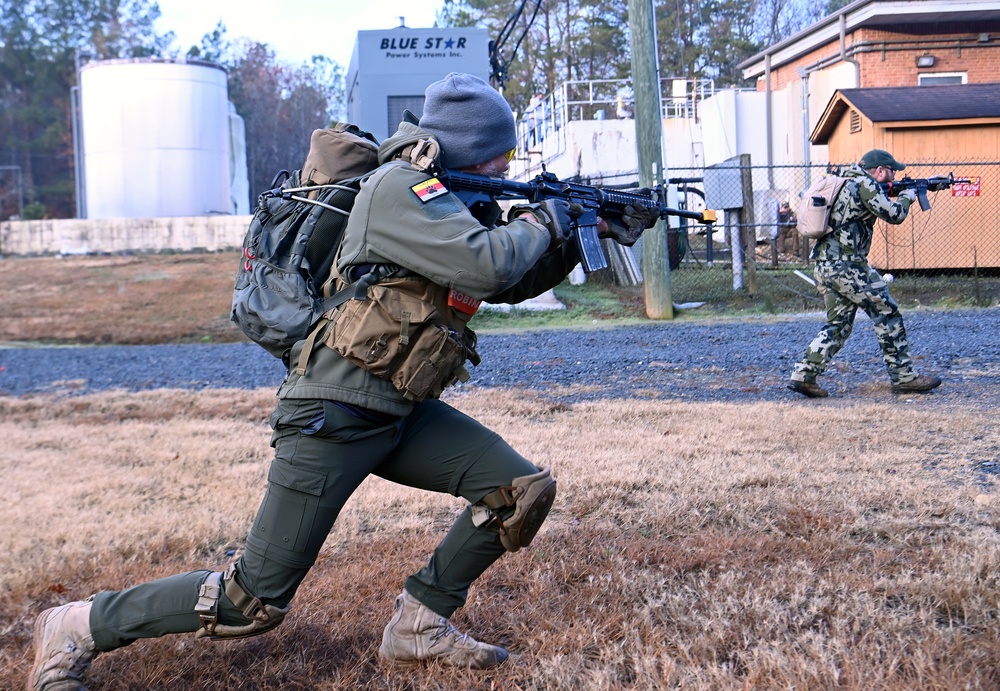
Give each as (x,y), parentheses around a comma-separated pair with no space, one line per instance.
(796,545)
(848,546)
(185,298)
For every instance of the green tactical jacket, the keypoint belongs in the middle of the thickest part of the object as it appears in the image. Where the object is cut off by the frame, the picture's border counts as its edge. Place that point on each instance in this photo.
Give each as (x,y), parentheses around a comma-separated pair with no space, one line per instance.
(860,202)
(438,239)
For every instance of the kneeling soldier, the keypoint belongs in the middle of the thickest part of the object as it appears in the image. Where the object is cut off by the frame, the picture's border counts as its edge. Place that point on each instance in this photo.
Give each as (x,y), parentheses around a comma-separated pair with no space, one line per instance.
(356,402)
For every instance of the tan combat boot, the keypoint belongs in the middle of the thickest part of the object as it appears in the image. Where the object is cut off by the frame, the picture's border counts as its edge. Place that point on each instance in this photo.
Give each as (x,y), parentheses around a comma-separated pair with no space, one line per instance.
(417,633)
(64,648)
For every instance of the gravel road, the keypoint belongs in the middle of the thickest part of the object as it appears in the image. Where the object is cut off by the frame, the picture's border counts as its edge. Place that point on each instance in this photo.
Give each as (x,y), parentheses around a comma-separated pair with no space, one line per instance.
(725,361)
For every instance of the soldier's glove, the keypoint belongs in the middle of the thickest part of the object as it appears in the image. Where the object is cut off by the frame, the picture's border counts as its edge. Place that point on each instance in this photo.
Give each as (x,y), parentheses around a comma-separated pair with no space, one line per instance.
(910,194)
(555,214)
(633,222)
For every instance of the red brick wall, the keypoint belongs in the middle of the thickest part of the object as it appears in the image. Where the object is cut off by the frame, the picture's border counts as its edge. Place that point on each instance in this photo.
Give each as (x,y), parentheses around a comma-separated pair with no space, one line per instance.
(896,65)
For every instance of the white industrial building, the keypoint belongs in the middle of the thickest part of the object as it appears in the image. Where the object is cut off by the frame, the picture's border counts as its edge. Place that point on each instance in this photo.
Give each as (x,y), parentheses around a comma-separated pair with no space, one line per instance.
(159,138)
(390,69)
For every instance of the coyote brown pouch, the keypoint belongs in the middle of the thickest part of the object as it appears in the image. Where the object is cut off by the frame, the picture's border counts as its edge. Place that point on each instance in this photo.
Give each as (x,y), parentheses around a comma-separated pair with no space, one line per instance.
(406,333)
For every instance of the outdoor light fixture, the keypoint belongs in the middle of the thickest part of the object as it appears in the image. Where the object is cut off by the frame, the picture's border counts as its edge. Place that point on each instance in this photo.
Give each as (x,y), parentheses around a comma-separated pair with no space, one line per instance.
(926,60)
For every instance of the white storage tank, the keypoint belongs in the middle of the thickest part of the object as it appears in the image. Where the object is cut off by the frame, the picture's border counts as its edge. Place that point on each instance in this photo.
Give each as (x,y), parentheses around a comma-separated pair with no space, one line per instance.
(156,138)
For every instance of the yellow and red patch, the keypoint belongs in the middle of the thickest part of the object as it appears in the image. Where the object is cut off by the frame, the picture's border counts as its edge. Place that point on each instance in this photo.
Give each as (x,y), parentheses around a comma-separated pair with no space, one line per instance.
(429,189)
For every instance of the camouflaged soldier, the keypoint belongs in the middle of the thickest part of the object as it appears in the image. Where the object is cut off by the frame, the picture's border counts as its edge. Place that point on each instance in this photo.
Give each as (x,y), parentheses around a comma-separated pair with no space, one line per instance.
(340,417)
(847,282)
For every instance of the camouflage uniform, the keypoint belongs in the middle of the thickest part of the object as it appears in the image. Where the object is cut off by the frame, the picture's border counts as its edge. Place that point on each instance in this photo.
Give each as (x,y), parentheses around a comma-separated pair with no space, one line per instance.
(847,282)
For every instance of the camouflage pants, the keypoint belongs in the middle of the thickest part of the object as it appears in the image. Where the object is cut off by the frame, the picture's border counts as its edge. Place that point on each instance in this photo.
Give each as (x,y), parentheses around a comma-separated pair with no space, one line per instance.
(845,286)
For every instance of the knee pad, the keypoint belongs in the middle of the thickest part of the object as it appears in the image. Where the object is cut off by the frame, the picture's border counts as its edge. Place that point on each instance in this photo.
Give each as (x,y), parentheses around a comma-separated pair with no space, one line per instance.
(262,617)
(531,496)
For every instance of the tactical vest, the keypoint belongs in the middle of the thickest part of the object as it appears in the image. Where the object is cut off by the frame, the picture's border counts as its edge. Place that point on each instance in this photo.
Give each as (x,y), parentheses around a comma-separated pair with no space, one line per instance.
(408,331)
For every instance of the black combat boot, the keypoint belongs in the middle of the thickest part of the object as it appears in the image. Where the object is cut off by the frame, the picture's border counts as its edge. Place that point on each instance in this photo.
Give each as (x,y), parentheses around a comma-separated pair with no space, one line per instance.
(921,384)
(808,388)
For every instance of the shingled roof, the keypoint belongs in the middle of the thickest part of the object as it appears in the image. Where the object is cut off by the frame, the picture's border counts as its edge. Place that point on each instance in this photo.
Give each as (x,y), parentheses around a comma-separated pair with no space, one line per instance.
(910,103)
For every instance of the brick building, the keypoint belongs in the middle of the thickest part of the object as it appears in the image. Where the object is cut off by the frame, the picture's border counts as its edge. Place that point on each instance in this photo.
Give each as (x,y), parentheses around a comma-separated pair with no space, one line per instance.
(870,43)
(936,131)
(920,78)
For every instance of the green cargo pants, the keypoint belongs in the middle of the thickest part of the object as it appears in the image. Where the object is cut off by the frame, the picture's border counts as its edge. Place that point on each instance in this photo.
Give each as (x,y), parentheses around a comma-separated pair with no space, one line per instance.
(322,454)
(845,286)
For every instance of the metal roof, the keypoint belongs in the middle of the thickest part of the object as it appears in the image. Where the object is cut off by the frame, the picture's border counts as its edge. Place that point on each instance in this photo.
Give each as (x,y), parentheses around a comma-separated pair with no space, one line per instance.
(911,104)
(951,102)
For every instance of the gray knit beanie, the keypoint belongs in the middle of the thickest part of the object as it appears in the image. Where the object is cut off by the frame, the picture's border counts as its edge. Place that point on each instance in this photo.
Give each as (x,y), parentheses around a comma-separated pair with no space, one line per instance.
(470,120)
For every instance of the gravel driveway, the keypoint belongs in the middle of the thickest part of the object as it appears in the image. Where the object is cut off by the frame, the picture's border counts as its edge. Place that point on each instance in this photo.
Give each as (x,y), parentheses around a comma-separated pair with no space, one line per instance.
(747,359)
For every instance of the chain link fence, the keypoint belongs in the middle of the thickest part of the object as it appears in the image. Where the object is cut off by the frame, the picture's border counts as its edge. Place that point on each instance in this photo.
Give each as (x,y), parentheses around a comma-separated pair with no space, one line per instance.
(950,250)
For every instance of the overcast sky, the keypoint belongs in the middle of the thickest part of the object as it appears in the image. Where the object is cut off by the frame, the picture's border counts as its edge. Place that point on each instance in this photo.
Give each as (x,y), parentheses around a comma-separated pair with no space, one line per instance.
(294,30)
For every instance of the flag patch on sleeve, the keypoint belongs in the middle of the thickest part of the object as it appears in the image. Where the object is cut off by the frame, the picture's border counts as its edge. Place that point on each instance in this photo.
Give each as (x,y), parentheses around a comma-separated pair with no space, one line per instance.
(429,189)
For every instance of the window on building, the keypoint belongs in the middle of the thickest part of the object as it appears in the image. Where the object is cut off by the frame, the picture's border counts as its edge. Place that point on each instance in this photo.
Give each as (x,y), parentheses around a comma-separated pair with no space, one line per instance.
(940,78)
(397,104)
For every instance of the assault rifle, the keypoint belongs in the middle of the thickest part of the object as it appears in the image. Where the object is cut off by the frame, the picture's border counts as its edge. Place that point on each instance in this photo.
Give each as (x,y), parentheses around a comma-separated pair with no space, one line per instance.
(922,186)
(596,202)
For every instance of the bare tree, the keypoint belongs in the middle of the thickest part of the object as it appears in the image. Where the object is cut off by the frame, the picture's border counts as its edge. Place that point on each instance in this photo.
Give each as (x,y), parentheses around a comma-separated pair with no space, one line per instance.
(281,105)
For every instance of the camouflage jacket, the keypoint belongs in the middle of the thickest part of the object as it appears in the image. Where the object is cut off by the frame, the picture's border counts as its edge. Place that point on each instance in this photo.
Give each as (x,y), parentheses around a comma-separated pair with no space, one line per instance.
(859,203)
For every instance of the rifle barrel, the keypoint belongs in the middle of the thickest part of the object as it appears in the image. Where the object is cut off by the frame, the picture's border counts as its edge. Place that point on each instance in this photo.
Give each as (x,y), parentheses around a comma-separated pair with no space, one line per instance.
(492,186)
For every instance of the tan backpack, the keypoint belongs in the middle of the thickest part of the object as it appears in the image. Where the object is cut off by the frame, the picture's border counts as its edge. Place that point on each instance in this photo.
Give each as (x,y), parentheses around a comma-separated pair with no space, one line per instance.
(817,204)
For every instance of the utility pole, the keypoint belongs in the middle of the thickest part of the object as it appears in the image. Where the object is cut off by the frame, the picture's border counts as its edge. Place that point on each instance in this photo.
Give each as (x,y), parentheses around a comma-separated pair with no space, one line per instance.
(649,146)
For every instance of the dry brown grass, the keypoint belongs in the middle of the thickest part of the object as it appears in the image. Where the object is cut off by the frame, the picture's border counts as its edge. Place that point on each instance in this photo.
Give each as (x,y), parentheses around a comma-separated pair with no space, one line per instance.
(812,545)
(141,299)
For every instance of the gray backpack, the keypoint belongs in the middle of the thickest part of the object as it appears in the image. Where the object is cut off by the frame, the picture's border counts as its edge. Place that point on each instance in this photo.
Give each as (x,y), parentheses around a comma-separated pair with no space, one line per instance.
(284,280)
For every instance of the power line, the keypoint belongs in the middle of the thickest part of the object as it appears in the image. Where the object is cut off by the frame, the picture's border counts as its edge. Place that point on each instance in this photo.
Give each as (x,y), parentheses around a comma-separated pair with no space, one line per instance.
(499,64)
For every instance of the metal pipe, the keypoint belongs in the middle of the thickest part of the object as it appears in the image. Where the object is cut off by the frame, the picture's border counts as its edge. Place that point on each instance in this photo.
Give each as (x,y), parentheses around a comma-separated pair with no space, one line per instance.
(74,97)
(806,143)
(768,127)
(938,42)
(804,277)
(887,46)
(843,52)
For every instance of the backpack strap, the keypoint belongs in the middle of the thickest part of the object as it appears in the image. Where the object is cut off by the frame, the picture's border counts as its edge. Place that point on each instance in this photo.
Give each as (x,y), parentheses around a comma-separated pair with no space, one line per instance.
(848,186)
(356,291)
(844,187)
(422,155)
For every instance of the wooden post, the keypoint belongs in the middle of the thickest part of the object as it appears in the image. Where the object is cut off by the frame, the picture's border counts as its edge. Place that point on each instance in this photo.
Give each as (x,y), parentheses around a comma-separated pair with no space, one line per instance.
(649,146)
